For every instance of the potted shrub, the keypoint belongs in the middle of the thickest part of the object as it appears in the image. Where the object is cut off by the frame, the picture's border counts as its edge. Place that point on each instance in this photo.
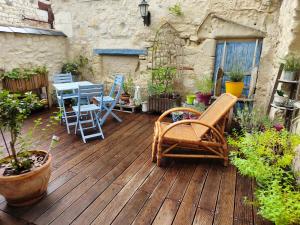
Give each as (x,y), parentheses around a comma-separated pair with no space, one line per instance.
(291,66)
(235,85)
(279,98)
(25,79)
(128,88)
(24,172)
(161,89)
(77,67)
(204,87)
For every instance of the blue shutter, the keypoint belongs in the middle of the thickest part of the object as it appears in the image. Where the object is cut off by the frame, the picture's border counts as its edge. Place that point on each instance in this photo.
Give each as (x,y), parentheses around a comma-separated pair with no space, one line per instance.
(237,52)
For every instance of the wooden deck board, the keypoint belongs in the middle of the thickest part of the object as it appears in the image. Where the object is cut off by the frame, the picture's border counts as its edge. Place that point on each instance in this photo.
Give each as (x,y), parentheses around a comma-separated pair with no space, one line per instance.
(113,181)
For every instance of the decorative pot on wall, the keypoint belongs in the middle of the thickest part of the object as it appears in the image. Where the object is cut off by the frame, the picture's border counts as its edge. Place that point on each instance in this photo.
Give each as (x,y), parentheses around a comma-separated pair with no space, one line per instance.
(234,88)
(28,188)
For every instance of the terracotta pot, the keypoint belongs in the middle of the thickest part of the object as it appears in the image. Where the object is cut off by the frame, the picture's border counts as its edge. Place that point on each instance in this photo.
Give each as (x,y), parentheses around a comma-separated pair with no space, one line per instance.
(27,188)
(203,98)
(125,98)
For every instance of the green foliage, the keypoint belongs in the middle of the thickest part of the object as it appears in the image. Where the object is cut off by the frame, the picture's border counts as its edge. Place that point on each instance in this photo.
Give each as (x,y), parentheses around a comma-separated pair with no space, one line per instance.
(77,66)
(70,67)
(24,73)
(128,86)
(253,120)
(162,80)
(14,109)
(236,74)
(176,10)
(291,63)
(205,84)
(267,157)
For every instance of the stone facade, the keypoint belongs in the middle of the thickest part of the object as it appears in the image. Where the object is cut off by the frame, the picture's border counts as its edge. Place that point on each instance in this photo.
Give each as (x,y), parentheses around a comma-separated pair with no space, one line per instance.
(25,50)
(12,12)
(117,24)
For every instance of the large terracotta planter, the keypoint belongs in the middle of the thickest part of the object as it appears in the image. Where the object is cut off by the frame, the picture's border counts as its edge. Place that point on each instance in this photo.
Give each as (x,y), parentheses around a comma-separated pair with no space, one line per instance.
(234,88)
(28,188)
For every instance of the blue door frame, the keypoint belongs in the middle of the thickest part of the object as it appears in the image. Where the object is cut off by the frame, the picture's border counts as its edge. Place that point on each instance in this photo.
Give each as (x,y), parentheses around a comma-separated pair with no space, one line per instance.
(244,54)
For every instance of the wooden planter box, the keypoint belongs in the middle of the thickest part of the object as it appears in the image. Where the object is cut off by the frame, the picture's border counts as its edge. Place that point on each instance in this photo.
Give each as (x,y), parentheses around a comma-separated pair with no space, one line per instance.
(23,85)
(162,103)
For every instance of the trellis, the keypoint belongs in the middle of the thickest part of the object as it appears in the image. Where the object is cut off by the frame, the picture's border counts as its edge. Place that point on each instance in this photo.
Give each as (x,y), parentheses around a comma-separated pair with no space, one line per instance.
(168,48)
(167,51)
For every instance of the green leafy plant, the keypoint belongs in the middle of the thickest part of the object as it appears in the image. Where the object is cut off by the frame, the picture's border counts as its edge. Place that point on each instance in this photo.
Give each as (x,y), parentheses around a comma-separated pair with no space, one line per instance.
(77,66)
(291,63)
(128,86)
(253,120)
(236,74)
(14,109)
(176,10)
(205,84)
(267,157)
(24,73)
(162,80)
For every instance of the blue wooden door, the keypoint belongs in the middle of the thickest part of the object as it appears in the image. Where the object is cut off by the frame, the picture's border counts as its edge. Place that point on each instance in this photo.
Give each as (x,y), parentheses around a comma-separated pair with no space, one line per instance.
(244,54)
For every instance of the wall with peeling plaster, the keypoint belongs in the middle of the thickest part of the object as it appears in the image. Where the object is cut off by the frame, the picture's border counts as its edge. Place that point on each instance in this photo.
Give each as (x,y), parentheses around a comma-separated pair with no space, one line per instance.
(92,24)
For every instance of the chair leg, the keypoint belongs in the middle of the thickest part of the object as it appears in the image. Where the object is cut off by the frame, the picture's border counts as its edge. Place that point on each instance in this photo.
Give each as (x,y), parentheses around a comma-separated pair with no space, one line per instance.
(81,131)
(154,145)
(225,148)
(108,112)
(225,163)
(99,125)
(159,151)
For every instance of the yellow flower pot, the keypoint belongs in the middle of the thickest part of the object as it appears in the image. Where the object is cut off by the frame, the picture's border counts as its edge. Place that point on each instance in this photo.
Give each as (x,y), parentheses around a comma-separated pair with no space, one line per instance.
(234,88)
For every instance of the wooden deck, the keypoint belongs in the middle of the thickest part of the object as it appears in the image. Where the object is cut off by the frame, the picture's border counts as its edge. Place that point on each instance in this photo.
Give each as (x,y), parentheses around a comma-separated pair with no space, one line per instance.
(113,181)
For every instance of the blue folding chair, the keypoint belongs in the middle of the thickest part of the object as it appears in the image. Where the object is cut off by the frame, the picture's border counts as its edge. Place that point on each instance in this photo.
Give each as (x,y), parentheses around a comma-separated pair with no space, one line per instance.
(62,96)
(88,113)
(109,102)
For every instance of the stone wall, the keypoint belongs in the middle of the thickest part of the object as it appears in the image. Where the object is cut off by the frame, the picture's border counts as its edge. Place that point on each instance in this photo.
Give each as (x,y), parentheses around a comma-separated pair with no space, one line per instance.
(25,50)
(12,12)
(117,24)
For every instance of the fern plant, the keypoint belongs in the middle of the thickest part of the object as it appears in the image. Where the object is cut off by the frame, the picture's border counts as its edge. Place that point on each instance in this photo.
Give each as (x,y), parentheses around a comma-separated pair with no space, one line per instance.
(176,10)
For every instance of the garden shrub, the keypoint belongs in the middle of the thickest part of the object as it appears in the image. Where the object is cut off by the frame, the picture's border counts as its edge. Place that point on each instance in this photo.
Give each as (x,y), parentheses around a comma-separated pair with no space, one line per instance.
(267,157)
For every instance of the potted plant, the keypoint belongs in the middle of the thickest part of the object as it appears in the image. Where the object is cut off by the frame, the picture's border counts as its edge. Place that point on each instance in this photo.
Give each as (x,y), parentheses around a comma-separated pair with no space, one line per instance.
(204,87)
(291,66)
(190,99)
(128,88)
(24,172)
(279,98)
(235,85)
(77,67)
(161,89)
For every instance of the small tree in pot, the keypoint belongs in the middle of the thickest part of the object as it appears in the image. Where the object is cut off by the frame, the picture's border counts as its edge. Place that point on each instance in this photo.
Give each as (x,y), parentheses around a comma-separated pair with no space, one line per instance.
(204,87)
(23,171)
